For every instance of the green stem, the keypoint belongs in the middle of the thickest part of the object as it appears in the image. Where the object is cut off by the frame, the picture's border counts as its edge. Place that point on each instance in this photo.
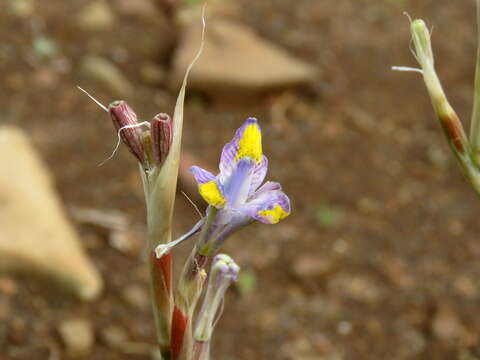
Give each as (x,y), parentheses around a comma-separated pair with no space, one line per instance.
(475,125)
(212,213)
(158,231)
(451,124)
(187,283)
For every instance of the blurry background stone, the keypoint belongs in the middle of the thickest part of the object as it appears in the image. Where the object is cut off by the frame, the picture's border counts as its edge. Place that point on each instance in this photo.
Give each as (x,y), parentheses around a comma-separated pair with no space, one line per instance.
(97,15)
(77,335)
(108,74)
(35,236)
(235,60)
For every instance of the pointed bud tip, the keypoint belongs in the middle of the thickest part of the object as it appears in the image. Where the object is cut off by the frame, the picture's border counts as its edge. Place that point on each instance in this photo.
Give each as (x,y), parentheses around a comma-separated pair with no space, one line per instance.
(122,114)
(163,117)
(115,104)
(162,136)
(125,122)
(422,42)
(418,23)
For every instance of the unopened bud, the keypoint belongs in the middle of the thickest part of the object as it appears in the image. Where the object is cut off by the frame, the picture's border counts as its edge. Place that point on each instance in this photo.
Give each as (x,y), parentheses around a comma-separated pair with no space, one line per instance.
(125,122)
(422,42)
(424,54)
(223,272)
(449,120)
(161,137)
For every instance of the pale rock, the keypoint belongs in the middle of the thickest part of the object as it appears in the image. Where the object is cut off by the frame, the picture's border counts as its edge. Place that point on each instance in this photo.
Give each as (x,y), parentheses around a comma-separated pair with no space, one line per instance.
(96,16)
(344,327)
(106,72)
(368,205)
(235,60)
(144,8)
(114,336)
(466,286)
(413,343)
(308,266)
(357,287)
(77,335)
(137,296)
(8,286)
(322,344)
(447,326)
(21,8)
(35,236)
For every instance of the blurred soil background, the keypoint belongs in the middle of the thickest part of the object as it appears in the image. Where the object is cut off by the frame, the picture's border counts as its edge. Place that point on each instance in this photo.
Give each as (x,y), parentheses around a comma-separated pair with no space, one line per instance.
(380,257)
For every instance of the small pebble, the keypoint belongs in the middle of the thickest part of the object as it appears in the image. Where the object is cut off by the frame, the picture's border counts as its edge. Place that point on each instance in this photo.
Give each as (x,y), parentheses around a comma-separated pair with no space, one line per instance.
(446,325)
(77,335)
(8,286)
(144,8)
(137,296)
(96,16)
(308,266)
(344,327)
(21,8)
(114,336)
(108,73)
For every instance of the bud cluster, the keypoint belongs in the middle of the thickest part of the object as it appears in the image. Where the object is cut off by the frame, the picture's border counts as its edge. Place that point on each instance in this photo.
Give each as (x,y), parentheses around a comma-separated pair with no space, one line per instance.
(150,147)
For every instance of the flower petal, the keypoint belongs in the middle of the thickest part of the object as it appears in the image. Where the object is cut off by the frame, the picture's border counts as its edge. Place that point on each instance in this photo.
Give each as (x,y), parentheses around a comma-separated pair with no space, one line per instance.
(269,206)
(208,187)
(268,186)
(237,186)
(247,142)
(250,140)
(227,221)
(259,174)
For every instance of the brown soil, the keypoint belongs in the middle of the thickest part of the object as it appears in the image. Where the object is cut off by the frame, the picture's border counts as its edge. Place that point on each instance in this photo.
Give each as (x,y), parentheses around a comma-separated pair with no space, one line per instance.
(379,259)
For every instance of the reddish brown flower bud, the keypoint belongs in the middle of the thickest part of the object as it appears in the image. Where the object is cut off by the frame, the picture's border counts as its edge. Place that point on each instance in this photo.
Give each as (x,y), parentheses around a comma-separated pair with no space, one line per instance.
(125,122)
(161,136)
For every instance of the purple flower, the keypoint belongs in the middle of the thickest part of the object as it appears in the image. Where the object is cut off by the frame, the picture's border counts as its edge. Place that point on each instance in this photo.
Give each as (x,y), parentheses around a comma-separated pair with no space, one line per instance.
(236,192)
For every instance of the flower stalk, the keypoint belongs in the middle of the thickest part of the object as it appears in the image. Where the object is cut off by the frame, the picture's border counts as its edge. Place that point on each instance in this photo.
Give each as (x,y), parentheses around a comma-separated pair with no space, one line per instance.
(157,150)
(466,150)
(475,123)
(449,120)
(235,198)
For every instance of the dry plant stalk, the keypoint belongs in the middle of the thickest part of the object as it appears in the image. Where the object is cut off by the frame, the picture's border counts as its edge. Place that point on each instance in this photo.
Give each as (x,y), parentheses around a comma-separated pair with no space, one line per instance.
(466,149)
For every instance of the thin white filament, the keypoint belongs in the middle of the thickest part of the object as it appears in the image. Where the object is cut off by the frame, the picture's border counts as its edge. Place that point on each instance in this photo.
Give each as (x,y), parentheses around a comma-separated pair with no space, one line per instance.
(407,69)
(408,16)
(145,123)
(412,51)
(202,41)
(92,98)
(193,204)
(411,40)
